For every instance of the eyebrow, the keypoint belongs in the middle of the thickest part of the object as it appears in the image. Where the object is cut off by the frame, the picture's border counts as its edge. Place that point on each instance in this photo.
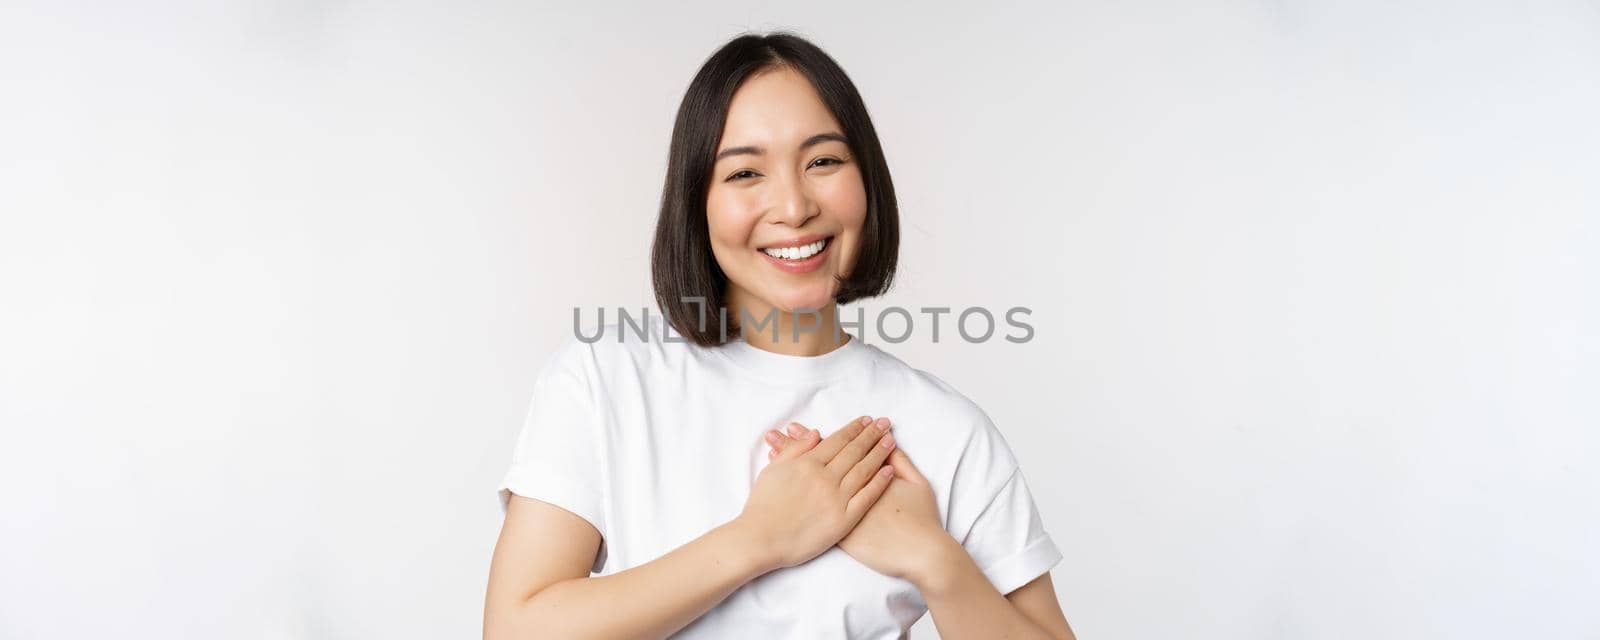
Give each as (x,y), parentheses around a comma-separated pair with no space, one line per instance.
(813,140)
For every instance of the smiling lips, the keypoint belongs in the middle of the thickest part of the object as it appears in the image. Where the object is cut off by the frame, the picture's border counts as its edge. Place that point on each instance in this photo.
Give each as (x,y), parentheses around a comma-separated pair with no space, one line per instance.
(799,258)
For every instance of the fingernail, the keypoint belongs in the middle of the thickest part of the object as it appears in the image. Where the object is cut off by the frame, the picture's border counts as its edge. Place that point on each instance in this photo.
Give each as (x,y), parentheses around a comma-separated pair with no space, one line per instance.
(866,420)
(883,424)
(795,429)
(888,442)
(772,437)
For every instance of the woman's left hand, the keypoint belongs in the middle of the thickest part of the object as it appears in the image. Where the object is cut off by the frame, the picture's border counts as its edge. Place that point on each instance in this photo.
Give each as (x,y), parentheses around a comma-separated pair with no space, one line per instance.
(901,533)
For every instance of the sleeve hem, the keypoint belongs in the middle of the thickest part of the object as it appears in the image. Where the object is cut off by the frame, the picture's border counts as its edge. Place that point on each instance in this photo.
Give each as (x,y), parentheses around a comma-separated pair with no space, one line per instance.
(1010,573)
(558,493)
(555,491)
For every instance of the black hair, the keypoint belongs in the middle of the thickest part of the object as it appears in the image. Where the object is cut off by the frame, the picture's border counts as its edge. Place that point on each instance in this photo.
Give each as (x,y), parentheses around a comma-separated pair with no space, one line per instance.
(689,284)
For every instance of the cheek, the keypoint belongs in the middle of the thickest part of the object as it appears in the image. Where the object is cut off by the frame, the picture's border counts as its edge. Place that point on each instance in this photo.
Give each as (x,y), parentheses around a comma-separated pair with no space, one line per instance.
(722,219)
(847,199)
(729,223)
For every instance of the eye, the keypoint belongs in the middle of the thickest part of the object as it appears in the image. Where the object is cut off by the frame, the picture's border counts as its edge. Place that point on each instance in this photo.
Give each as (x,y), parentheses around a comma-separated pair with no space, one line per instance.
(819,161)
(740,175)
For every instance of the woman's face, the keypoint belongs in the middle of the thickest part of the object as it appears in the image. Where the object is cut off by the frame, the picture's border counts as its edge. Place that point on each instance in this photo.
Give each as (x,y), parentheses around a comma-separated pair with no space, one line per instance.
(784,181)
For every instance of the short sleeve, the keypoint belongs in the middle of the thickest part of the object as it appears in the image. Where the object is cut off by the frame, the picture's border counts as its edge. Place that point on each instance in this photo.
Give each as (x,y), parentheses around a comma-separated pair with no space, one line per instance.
(993,513)
(1008,540)
(556,458)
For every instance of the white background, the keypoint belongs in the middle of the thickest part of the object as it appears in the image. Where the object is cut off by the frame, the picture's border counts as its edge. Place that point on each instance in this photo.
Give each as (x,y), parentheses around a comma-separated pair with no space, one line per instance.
(1314,287)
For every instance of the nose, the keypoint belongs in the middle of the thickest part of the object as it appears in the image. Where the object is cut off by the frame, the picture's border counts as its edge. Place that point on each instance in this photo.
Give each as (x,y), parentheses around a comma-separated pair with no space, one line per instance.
(792,203)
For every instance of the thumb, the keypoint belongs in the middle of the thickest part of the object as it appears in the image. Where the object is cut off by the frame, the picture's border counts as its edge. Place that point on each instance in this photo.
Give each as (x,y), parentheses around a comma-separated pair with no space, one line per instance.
(868,495)
(902,465)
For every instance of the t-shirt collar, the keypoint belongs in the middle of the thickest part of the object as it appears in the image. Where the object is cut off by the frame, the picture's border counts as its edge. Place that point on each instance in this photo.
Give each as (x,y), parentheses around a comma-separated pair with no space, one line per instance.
(842,360)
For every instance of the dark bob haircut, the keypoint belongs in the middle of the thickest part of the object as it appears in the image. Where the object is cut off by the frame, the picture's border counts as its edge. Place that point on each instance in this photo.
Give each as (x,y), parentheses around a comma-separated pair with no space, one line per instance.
(689,284)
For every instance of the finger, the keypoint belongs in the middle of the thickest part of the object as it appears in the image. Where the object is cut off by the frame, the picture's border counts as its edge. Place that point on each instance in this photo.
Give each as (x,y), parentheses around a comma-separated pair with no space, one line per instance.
(778,441)
(835,442)
(781,443)
(862,472)
(799,434)
(858,448)
(903,466)
(785,452)
(868,495)
(807,439)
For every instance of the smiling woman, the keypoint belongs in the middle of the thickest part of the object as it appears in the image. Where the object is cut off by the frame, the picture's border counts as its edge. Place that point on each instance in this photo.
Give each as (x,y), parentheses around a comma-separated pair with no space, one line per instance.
(660,465)
(781,196)
(773,149)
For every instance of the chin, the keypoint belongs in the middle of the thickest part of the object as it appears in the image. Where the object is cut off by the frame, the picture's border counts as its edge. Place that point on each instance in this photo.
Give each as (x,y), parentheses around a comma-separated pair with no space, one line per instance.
(807,298)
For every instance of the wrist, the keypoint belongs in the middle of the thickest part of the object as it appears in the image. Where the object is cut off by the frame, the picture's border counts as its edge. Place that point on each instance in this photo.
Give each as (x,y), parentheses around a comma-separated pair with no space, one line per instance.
(944,559)
(746,544)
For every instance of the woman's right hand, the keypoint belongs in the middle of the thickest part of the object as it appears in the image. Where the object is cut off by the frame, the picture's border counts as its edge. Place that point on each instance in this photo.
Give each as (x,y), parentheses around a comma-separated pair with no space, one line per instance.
(813,494)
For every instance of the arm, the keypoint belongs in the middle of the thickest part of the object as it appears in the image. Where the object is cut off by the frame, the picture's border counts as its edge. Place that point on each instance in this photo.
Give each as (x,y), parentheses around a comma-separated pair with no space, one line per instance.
(904,539)
(965,604)
(802,503)
(539,584)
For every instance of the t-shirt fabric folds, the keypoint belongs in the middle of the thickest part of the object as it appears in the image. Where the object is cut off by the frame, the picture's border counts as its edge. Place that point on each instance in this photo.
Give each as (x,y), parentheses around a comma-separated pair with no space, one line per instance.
(655,441)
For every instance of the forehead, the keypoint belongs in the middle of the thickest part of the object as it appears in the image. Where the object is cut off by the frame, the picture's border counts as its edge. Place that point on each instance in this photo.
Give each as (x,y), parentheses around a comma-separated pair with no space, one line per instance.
(776,105)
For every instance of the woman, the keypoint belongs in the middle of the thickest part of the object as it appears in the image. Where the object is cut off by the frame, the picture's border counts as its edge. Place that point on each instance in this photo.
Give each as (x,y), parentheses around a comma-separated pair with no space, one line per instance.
(648,456)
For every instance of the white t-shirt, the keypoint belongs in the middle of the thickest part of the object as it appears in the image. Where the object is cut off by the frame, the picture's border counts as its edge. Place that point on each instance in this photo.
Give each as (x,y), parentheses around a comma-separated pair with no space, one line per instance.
(655,443)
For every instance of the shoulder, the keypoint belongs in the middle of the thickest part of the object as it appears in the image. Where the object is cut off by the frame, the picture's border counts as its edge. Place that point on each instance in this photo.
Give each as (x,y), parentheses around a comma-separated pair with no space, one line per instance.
(952,439)
(612,343)
(924,387)
(940,402)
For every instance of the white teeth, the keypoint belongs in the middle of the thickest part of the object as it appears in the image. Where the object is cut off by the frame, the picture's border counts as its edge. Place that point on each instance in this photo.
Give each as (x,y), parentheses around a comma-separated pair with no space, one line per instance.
(797,253)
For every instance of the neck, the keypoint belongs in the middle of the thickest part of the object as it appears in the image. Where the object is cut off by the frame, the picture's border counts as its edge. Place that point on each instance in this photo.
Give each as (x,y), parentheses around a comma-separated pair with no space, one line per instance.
(792,333)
